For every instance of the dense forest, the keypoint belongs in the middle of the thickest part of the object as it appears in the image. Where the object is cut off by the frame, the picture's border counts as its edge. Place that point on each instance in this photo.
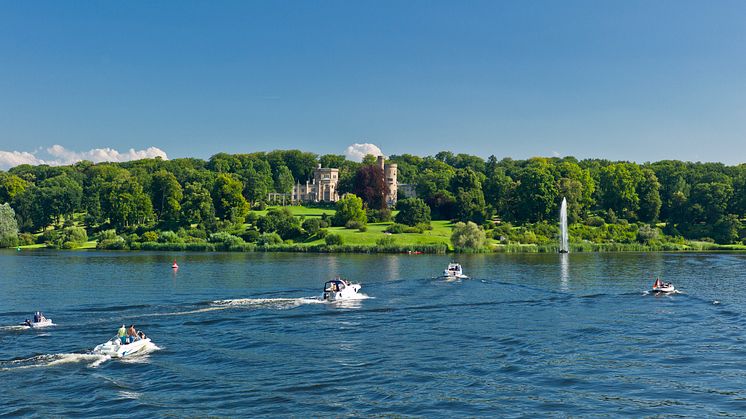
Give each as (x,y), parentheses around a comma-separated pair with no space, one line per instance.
(511,200)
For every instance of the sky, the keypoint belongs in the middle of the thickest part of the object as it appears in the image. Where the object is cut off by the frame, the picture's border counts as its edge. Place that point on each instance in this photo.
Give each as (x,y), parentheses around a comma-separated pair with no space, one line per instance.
(620,80)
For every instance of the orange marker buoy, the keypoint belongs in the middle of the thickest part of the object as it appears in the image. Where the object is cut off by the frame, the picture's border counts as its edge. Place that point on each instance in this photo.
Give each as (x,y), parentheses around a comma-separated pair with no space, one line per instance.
(175,265)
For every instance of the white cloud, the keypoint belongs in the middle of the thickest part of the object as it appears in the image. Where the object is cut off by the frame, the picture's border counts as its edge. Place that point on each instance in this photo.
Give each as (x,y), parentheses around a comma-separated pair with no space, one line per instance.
(356,152)
(59,155)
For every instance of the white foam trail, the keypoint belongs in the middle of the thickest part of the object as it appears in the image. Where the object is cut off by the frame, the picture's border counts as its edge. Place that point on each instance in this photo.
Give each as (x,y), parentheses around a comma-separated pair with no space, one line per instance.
(53,360)
(277,303)
(183,313)
(14,327)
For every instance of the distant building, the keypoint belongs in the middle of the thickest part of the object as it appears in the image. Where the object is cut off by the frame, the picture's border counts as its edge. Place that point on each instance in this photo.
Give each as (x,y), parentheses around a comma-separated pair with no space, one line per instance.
(322,188)
(407,190)
(389,173)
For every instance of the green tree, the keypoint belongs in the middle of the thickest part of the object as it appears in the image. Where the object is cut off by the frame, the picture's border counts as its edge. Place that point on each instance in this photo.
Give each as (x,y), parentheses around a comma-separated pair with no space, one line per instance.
(468,236)
(166,195)
(125,203)
(535,195)
(61,196)
(283,179)
(618,185)
(650,200)
(197,207)
(228,199)
(466,186)
(349,208)
(8,226)
(282,221)
(412,211)
(10,186)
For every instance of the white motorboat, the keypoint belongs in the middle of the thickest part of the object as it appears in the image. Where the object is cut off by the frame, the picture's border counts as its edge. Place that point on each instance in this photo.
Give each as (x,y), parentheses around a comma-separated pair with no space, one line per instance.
(38,321)
(115,349)
(44,322)
(663,287)
(340,289)
(454,271)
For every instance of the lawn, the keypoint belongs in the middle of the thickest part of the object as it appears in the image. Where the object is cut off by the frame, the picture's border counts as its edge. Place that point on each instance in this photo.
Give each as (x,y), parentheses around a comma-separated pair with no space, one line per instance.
(299,210)
(440,234)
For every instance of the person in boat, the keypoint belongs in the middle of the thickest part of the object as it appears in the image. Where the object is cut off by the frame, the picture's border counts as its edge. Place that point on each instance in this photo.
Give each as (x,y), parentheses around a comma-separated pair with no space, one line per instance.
(37,318)
(41,317)
(122,333)
(141,334)
(28,322)
(132,333)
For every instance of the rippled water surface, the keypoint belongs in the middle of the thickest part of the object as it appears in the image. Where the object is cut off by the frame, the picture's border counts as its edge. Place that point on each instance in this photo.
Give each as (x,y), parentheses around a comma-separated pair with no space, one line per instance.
(246,335)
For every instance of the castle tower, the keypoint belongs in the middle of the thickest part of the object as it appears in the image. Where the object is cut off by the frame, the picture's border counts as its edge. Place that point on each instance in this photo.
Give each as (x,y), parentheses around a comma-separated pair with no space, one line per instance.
(389,174)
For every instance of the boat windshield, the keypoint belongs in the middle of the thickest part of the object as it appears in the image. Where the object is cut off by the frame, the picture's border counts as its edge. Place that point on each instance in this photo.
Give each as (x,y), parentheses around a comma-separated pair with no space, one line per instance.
(335,285)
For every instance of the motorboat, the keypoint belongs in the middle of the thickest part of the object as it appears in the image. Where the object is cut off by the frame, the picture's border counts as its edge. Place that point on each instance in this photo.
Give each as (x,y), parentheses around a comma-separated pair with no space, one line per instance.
(663,287)
(43,322)
(115,349)
(340,289)
(38,321)
(454,271)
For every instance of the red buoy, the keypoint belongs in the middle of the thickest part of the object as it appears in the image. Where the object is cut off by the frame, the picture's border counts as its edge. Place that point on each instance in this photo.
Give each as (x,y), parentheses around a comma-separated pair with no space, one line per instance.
(175,265)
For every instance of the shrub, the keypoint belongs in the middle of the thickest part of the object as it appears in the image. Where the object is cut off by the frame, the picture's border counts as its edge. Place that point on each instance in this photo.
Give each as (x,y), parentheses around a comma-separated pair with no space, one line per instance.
(116,243)
(106,235)
(468,236)
(312,226)
(379,216)
(149,236)
(322,233)
(225,241)
(25,239)
(352,224)
(75,235)
(386,241)
(333,239)
(250,235)
(362,228)
(395,228)
(169,237)
(647,234)
(269,239)
(323,223)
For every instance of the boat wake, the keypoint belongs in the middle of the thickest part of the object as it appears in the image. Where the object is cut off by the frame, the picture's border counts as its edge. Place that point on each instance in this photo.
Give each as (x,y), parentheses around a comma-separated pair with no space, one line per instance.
(272,303)
(53,360)
(13,328)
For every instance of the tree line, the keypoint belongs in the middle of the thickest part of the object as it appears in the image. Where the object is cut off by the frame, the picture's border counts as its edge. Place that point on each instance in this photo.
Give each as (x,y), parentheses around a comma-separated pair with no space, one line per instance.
(684,199)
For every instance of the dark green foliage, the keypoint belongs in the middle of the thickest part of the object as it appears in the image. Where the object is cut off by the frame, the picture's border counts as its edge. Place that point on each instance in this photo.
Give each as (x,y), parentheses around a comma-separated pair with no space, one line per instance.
(281,221)
(311,226)
(412,211)
(378,216)
(333,240)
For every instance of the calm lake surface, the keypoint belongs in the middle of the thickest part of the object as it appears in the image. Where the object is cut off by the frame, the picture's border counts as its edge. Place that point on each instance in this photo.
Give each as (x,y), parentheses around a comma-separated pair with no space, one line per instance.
(245,335)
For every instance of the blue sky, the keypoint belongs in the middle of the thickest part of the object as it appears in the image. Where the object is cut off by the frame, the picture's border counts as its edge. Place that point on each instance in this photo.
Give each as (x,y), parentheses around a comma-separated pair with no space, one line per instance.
(628,80)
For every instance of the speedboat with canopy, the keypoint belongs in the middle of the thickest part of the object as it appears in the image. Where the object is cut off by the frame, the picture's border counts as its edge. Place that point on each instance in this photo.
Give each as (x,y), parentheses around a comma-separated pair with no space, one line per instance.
(340,289)
(663,287)
(454,271)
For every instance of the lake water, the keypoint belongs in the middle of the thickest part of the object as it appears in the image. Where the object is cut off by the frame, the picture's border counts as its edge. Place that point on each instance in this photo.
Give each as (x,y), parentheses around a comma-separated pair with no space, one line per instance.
(245,335)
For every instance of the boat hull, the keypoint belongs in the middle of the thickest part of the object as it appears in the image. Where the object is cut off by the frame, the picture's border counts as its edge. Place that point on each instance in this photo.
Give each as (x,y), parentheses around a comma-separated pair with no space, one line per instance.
(349,292)
(115,349)
(38,325)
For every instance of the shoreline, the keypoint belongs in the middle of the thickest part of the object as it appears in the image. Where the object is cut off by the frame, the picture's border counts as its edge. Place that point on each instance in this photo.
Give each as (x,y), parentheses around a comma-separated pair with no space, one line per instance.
(439,249)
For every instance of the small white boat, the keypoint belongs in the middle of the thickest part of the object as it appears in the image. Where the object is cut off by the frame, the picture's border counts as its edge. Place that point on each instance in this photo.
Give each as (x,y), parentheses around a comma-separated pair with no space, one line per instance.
(115,349)
(340,289)
(44,322)
(663,287)
(454,271)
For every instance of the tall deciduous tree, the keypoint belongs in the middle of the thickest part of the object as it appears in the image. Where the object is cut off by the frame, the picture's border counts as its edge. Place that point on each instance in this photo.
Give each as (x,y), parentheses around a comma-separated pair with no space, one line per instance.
(535,195)
(166,194)
(618,185)
(197,207)
(228,199)
(650,199)
(412,211)
(8,226)
(283,179)
(370,185)
(10,186)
